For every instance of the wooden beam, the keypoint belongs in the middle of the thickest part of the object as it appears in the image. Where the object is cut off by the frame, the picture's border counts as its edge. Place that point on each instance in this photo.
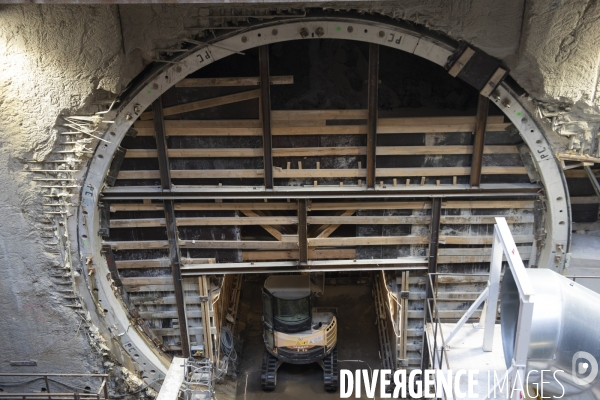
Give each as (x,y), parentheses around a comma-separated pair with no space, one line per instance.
(313,254)
(485,219)
(294,115)
(306,127)
(114,207)
(159,263)
(366,241)
(208,103)
(192,153)
(205,221)
(267,226)
(375,220)
(265,109)
(326,230)
(194,174)
(302,232)
(372,107)
(239,81)
(370,205)
(508,204)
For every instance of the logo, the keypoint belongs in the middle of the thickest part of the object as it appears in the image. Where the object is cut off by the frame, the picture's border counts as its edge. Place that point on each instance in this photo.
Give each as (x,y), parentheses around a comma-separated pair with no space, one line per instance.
(584,363)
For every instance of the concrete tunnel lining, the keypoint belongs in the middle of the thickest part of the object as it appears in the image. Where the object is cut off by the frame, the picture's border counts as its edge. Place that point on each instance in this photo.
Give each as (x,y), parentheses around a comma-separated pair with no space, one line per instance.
(86,225)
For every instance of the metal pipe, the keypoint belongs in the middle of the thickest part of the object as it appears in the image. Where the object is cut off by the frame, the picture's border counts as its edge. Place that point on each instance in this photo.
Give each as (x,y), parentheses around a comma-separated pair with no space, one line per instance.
(565,322)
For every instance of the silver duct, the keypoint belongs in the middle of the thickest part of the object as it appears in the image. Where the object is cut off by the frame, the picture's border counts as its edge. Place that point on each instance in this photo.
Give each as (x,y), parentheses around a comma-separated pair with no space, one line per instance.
(566,322)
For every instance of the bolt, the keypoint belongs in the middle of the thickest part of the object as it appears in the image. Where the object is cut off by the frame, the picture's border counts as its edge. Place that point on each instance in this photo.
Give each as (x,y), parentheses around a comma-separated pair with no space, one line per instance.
(381,33)
(304,32)
(320,32)
(244,39)
(137,108)
(128,117)
(506,103)
(350,29)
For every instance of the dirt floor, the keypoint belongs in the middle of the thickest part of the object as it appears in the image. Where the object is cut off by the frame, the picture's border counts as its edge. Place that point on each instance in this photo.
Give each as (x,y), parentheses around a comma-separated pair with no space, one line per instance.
(357,340)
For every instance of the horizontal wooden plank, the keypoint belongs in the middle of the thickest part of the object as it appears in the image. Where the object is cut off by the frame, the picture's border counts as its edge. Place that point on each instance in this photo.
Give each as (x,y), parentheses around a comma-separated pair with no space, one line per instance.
(370,205)
(234,81)
(313,254)
(472,259)
(319,151)
(585,200)
(192,330)
(476,251)
(194,174)
(169,314)
(447,171)
(366,241)
(377,220)
(159,263)
(191,153)
(207,103)
(114,207)
(152,280)
(202,244)
(481,239)
(162,300)
(462,278)
(203,221)
(508,204)
(307,122)
(440,150)
(278,115)
(485,219)
(580,173)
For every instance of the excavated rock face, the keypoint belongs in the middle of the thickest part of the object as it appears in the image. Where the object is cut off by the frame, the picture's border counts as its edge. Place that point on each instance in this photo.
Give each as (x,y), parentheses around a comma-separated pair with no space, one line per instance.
(61,60)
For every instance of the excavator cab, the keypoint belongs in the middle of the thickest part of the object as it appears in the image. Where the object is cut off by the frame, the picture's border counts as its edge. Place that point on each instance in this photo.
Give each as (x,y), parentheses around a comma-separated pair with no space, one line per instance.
(295,332)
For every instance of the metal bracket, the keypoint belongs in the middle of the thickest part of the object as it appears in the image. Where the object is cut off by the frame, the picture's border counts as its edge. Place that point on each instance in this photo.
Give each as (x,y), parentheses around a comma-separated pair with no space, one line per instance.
(404,295)
(476,68)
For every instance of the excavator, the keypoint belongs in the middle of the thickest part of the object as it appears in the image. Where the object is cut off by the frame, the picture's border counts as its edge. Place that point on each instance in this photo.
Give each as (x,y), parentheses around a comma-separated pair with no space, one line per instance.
(295,332)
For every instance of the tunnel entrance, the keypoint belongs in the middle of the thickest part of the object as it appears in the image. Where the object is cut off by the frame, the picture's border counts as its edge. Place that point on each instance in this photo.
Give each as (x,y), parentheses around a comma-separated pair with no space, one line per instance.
(353,158)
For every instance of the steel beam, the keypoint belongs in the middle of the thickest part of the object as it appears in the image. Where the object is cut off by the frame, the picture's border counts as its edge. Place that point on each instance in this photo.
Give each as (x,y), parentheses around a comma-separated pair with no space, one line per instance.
(478,143)
(171,224)
(238,193)
(434,242)
(265,109)
(161,145)
(302,232)
(403,263)
(372,85)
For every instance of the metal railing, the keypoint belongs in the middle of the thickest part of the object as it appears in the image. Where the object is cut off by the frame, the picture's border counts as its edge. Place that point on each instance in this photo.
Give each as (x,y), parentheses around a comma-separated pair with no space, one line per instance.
(85,394)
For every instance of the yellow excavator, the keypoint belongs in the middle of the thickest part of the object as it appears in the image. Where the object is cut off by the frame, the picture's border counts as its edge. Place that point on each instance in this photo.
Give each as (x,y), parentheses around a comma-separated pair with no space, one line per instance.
(295,332)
